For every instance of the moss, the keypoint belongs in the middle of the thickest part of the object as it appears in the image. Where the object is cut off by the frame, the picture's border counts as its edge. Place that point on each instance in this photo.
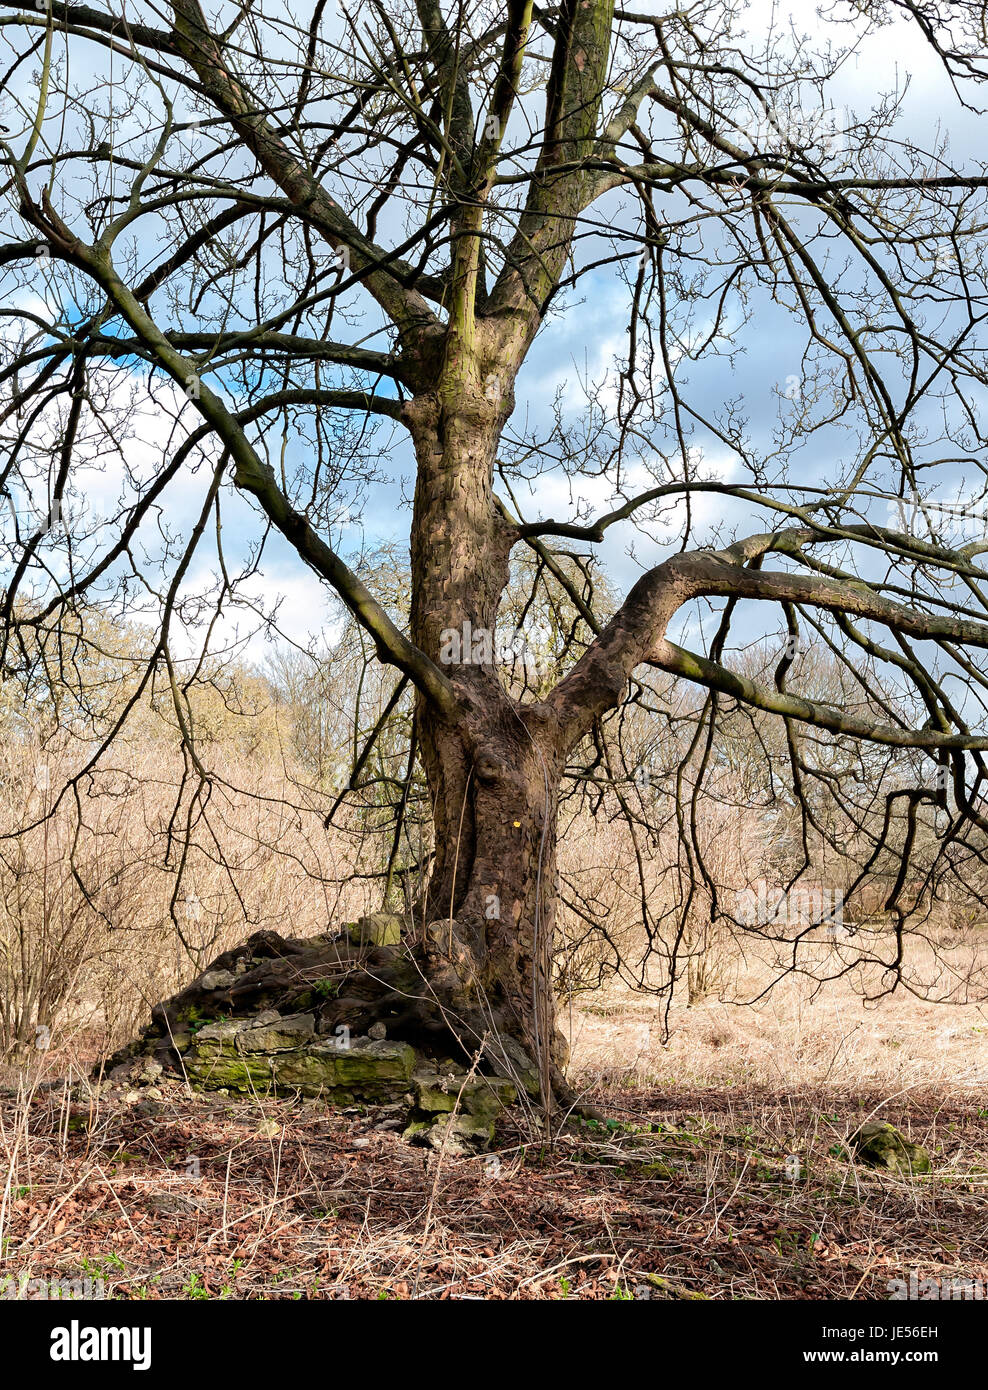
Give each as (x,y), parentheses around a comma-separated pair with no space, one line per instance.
(484,1097)
(882,1146)
(669,1289)
(377,929)
(368,1070)
(657,1170)
(220,1072)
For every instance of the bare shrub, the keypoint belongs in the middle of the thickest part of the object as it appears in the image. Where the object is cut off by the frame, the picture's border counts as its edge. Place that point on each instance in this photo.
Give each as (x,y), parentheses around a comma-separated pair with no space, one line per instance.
(115,896)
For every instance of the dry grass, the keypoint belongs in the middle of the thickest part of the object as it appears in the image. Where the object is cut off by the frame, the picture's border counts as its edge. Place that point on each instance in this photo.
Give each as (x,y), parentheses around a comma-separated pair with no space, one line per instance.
(801,1036)
(117,893)
(691,1190)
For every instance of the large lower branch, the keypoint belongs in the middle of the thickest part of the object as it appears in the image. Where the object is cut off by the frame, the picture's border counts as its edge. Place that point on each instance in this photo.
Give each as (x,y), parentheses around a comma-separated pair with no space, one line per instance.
(637,632)
(700,669)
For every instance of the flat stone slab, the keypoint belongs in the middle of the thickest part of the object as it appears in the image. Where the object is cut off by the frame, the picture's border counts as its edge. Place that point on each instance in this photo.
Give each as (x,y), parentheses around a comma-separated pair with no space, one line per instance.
(242,1055)
(295,1030)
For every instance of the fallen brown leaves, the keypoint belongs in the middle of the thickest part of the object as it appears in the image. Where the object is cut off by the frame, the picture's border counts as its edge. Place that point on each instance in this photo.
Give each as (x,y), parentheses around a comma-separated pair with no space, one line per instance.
(208,1197)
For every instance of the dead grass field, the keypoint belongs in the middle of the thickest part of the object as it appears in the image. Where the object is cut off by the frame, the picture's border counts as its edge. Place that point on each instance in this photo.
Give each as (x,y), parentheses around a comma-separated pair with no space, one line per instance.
(789,1041)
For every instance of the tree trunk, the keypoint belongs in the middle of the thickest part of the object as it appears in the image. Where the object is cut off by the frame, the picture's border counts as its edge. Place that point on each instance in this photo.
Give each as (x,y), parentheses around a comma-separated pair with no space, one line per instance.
(492,897)
(494,774)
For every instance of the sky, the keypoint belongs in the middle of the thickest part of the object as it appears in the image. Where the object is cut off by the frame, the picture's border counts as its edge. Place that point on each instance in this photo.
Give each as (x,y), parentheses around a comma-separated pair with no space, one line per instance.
(581,343)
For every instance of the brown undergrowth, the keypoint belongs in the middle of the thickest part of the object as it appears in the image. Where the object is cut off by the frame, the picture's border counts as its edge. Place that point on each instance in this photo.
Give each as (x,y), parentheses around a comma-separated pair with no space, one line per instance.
(698,1188)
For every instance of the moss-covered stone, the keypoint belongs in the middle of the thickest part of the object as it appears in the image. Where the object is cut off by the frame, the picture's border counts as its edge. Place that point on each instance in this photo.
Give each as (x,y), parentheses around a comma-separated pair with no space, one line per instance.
(460,1134)
(368,1069)
(218,1071)
(880,1145)
(438,1093)
(265,1016)
(377,929)
(237,1056)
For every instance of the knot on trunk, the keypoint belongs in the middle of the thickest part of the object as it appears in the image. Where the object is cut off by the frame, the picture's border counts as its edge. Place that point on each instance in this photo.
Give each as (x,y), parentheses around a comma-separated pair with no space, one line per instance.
(452,957)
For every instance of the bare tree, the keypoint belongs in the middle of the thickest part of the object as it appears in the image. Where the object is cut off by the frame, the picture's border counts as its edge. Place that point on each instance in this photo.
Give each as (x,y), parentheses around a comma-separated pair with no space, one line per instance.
(303,236)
